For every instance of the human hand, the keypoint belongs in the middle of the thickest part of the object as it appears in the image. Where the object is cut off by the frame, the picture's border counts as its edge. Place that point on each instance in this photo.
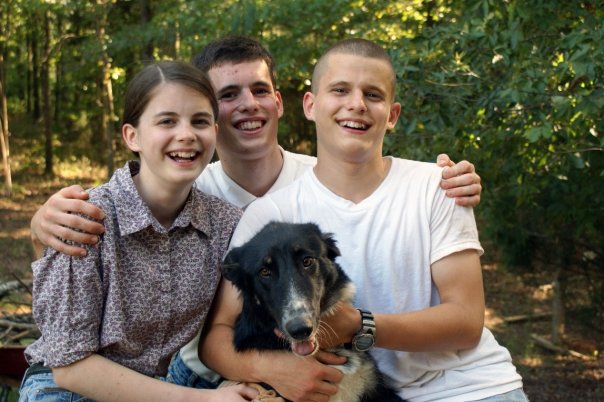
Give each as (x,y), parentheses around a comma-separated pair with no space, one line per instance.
(56,222)
(339,327)
(231,393)
(460,181)
(304,379)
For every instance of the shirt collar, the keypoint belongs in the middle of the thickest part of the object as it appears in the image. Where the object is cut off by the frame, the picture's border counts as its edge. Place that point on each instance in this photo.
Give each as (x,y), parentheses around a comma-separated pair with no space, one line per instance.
(133,215)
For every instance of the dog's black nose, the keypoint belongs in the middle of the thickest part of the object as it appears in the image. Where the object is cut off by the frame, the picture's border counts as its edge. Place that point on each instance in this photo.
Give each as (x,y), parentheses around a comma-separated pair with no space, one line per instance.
(299,328)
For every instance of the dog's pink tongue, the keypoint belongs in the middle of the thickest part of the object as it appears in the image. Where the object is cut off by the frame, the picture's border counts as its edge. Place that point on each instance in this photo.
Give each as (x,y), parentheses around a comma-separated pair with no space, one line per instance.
(303,348)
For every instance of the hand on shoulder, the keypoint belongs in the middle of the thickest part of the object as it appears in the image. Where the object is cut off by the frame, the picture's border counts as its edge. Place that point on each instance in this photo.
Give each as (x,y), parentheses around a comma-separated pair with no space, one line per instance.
(59,220)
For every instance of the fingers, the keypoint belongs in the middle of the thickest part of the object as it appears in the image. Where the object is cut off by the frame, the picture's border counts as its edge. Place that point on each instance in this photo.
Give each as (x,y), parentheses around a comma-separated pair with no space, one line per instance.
(332,377)
(443,160)
(462,183)
(59,203)
(459,169)
(63,214)
(62,247)
(324,391)
(467,196)
(316,398)
(246,392)
(330,358)
(59,221)
(470,201)
(76,191)
(306,380)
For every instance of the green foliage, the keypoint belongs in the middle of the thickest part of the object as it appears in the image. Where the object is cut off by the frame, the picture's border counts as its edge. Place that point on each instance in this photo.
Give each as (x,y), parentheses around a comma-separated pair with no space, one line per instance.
(516,87)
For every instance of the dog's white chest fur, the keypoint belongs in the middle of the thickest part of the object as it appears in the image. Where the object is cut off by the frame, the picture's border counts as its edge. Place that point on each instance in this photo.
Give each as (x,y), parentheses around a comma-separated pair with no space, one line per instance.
(359,374)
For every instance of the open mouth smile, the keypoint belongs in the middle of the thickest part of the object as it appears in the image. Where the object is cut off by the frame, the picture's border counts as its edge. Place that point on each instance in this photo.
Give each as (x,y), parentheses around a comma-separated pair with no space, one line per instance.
(352,124)
(250,125)
(183,156)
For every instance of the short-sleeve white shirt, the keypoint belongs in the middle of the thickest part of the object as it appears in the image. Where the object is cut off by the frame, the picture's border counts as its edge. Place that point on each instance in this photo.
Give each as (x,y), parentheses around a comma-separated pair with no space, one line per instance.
(388,242)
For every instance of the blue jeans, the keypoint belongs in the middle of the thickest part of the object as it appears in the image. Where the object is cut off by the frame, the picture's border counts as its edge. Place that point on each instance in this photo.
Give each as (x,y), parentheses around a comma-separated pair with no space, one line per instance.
(42,387)
(179,373)
(516,395)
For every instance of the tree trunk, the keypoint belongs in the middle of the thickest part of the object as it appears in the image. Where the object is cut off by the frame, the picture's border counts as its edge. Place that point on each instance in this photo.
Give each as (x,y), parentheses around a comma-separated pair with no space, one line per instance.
(4,144)
(107,89)
(145,18)
(48,149)
(35,86)
(4,137)
(558,319)
(58,77)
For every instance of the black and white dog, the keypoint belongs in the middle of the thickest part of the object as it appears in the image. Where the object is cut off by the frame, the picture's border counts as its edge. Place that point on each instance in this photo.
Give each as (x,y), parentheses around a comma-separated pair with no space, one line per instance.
(288,278)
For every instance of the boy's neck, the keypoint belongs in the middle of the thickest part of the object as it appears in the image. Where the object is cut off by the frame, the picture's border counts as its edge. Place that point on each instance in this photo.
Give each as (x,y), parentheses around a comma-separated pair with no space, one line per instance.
(254,175)
(352,181)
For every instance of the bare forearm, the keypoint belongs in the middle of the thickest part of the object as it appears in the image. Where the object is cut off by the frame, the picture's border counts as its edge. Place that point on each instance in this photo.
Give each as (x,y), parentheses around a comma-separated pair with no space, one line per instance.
(444,327)
(455,323)
(104,380)
(293,377)
(216,350)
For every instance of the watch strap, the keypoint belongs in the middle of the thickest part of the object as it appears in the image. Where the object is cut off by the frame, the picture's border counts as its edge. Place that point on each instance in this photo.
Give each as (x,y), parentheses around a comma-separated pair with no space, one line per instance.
(365,338)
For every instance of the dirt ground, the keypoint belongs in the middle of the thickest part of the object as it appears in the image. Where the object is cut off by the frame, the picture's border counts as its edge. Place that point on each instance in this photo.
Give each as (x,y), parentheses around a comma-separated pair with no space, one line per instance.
(548,375)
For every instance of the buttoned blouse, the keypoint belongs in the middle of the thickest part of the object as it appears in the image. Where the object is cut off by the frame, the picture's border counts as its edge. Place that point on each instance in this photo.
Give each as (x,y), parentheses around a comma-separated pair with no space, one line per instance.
(142,292)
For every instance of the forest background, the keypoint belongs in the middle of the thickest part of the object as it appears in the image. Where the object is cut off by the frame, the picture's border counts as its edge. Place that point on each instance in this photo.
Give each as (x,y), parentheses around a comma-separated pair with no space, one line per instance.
(515,87)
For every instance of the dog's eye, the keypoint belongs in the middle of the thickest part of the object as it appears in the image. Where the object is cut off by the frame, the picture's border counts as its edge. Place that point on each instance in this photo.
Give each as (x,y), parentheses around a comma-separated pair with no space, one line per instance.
(308,261)
(264,272)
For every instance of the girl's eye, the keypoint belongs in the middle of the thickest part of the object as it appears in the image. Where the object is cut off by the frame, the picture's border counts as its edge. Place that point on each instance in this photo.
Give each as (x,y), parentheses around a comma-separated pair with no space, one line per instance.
(165,122)
(308,261)
(201,122)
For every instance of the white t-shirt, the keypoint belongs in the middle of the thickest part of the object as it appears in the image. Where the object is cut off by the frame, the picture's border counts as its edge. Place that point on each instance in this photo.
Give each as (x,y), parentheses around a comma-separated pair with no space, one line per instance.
(213,180)
(388,242)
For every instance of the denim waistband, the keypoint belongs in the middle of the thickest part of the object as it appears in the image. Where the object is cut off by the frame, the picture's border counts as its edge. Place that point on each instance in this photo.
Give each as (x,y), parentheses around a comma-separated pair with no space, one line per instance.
(36,368)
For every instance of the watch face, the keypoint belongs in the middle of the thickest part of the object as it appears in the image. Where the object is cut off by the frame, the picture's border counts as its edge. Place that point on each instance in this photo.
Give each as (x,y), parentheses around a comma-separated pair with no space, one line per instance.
(363,342)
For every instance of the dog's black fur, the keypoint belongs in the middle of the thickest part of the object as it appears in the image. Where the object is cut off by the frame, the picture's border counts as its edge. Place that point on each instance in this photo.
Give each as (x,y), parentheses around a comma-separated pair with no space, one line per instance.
(288,278)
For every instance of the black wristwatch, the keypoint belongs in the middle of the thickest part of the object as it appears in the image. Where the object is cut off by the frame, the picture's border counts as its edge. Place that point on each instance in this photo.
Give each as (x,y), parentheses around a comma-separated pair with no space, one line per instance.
(365,338)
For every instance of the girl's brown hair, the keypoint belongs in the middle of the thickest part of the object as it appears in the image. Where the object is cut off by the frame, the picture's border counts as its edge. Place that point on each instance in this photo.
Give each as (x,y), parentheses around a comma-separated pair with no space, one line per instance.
(140,89)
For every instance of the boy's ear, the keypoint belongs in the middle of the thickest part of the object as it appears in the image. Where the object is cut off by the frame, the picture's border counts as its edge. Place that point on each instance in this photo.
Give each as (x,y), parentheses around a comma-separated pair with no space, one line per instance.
(279,102)
(308,104)
(395,112)
(130,136)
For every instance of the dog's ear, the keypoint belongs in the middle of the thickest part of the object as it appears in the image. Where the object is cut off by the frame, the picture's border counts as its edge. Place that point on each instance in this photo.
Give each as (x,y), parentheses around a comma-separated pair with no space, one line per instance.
(332,249)
(230,266)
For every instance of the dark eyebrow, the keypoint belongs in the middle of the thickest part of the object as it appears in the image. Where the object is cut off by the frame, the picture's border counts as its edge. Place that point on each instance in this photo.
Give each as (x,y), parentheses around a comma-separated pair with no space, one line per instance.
(228,88)
(165,113)
(169,113)
(237,88)
(338,83)
(204,114)
(374,88)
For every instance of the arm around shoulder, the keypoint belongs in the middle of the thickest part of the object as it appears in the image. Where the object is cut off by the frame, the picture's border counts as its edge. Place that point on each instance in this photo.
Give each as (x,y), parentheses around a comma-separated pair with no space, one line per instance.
(60,219)
(460,181)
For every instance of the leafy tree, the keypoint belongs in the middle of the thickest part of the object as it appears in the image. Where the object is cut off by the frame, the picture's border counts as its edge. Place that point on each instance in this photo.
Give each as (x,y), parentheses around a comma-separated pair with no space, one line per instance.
(516,87)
